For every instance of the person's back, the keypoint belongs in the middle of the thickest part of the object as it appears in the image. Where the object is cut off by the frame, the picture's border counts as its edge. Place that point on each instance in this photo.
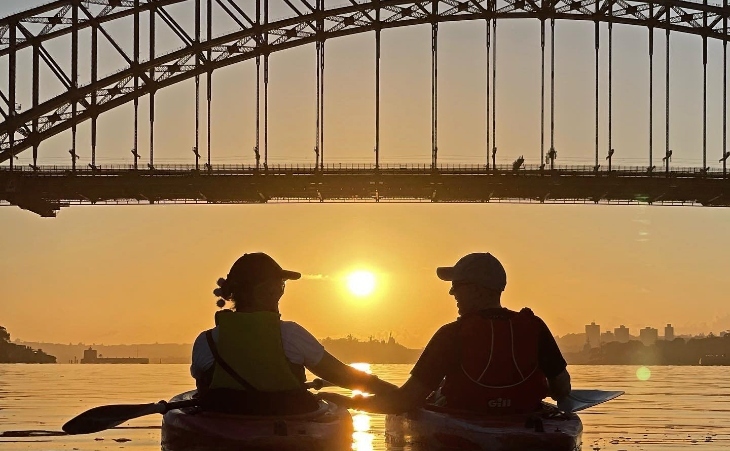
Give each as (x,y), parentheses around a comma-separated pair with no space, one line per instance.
(498,367)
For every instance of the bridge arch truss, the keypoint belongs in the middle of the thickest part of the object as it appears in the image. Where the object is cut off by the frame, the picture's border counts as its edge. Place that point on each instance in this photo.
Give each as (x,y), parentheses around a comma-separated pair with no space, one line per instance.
(203,50)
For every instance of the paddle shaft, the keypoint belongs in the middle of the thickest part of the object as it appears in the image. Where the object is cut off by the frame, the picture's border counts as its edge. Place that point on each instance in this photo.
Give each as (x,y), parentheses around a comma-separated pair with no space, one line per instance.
(105,417)
(165,407)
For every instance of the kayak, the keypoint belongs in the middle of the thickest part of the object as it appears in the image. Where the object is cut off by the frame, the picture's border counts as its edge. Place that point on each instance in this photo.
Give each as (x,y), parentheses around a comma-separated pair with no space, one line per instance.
(328,428)
(436,428)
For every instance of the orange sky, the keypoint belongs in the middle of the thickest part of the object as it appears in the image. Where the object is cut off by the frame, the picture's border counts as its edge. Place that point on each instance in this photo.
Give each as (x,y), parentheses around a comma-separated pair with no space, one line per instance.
(145,274)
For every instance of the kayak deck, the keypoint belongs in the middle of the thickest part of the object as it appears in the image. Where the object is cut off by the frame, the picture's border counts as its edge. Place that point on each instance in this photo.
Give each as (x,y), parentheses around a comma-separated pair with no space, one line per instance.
(427,429)
(328,428)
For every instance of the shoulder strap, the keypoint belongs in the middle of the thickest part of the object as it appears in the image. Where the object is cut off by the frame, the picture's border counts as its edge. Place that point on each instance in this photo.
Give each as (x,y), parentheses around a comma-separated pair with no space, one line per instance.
(224,365)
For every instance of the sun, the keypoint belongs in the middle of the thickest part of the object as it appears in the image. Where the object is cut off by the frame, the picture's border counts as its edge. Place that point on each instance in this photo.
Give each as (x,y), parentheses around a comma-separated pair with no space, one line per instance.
(361,283)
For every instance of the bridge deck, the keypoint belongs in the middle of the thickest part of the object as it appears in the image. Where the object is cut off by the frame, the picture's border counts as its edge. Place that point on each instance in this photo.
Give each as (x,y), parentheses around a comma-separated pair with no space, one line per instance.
(46,190)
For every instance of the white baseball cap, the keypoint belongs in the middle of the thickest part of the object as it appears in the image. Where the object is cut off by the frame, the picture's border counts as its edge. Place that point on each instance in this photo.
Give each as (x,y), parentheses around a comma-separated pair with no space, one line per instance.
(480,268)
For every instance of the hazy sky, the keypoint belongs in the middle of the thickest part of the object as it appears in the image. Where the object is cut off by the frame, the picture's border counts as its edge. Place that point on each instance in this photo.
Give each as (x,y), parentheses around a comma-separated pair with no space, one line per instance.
(145,274)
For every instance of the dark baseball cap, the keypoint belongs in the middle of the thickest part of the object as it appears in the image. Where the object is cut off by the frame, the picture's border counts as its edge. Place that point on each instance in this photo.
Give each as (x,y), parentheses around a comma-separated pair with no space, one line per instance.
(254,268)
(480,268)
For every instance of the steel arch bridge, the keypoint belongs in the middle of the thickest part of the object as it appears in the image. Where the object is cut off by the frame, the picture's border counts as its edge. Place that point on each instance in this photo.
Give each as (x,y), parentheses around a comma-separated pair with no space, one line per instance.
(204,49)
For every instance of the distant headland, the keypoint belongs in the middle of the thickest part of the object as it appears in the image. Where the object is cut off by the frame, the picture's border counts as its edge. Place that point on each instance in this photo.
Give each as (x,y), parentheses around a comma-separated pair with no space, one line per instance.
(15,353)
(348,349)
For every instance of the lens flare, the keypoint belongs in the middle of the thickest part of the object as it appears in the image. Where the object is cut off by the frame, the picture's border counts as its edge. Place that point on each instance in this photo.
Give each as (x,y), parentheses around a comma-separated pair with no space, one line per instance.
(643,373)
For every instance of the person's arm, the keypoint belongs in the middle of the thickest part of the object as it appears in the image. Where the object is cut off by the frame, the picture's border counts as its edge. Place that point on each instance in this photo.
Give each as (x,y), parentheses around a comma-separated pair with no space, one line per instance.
(331,369)
(202,359)
(553,365)
(412,395)
(559,386)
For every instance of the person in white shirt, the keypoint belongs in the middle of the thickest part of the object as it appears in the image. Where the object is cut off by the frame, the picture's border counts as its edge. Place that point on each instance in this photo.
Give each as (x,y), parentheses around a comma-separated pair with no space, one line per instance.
(252,350)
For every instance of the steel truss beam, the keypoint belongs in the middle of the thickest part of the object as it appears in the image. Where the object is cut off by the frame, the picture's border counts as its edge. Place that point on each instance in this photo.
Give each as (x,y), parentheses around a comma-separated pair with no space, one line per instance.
(35,28)
(53,189)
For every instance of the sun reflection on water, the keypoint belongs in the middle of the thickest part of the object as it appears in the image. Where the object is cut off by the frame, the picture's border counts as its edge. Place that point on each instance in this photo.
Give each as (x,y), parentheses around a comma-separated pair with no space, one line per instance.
(362,366)
(362,439)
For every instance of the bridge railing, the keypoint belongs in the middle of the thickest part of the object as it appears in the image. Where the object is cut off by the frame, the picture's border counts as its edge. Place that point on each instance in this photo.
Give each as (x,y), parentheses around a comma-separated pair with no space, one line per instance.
(360,168)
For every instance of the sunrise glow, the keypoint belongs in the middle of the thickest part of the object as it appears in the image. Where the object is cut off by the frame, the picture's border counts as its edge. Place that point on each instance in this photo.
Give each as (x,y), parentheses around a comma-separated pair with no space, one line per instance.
(361,283)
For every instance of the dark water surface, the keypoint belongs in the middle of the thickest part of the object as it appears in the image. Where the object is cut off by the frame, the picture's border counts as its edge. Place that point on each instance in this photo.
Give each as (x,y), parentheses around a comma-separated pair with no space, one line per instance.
(675,408)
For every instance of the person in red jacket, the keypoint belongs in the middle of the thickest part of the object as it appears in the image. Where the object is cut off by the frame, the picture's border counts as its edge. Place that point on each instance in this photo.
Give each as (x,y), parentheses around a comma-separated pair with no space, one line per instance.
(491,360)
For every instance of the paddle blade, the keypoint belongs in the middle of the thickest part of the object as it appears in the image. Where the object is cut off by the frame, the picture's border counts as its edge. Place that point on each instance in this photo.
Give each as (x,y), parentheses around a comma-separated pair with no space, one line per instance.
(582,399)
(106,417)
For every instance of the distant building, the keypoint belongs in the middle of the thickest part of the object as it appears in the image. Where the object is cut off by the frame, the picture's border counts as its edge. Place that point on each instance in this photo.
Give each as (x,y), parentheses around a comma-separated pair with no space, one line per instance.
(608,337)
(593,334)
(622,334)
(648,336)
(92,356)
(668,332)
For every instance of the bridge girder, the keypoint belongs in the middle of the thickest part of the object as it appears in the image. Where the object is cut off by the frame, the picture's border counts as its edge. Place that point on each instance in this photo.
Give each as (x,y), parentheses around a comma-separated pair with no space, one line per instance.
(37,27)
(46,192)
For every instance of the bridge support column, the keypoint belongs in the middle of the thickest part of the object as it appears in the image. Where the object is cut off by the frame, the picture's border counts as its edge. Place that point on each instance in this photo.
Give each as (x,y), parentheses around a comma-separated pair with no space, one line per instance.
(542,92)
(494,93)
(36,87)
(136,79)
(266,87)
(258,110)
(319,129)
(318,105)
(668,153)
(552,152)
(488,105)
(94,76)
(597,38)
(651,92)
(74,79)
(153,11)
(259,42)
(12,66)
(377,85)
(704,91)
(724,92)
(209,78)
(197,86)
(434,87)
(610,83)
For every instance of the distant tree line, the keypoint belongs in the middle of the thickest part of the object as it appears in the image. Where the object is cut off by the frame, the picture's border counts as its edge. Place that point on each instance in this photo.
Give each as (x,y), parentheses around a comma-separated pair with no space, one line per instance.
(350,349)
(12,353)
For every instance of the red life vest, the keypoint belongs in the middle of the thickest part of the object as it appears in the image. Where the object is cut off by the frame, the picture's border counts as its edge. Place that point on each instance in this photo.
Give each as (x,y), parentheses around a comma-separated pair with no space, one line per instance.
(499,371)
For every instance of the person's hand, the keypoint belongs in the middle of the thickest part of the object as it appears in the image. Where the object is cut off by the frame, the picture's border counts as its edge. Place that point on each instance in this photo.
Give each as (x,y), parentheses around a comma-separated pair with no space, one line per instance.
(340,400)
(565,405)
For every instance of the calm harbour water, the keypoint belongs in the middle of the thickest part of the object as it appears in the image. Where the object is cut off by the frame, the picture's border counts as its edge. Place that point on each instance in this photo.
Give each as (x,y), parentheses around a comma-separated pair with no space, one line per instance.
(676,408)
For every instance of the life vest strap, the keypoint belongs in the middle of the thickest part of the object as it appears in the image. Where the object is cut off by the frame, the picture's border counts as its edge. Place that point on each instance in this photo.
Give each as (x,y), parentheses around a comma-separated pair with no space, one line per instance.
(491,353)
(219,360)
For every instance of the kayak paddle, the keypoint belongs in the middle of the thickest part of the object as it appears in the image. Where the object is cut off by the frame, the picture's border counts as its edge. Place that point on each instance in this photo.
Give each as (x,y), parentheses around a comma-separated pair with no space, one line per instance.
(579,399)
(106,417)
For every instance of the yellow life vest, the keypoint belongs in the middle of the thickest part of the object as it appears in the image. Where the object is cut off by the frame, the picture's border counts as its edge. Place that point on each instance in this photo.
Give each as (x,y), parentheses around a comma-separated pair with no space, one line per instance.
(250,343)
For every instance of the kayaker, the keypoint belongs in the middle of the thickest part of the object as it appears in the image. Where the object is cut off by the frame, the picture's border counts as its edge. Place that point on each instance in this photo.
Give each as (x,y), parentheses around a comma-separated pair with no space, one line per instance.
(252,361)
(490,360)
